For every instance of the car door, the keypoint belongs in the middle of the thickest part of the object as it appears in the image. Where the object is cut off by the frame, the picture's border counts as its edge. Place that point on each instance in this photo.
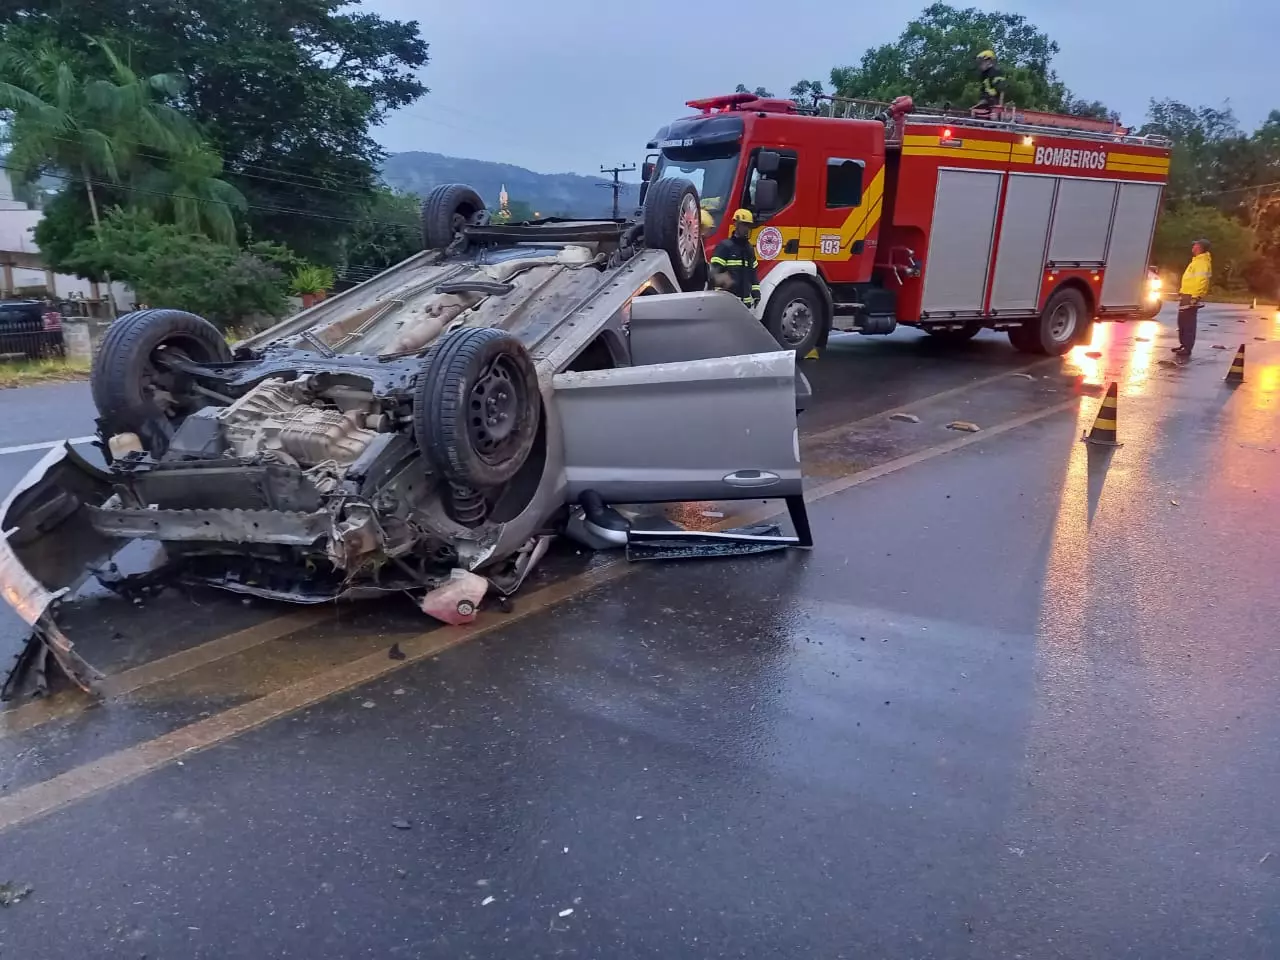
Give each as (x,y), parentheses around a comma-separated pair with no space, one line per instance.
(707,415)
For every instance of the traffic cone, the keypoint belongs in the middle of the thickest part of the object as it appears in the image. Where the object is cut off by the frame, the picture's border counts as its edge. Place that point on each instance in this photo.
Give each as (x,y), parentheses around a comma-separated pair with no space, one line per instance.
(1236,373)
(812,354)
(1104,425)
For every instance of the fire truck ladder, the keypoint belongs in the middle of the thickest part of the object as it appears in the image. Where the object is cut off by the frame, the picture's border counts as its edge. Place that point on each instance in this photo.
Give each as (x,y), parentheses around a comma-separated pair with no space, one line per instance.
(1007,118)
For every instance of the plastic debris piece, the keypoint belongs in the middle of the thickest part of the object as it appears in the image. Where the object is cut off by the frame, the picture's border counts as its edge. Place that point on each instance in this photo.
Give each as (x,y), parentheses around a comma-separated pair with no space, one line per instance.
(1094,354)
(398,692)
(11,893)
(904,417)
(1175,503)
(1263,339)
(566,912)
(1218,346)
(368,704)
(487,900)
(400,823)
(456,601)
(964,426)
(1024,376)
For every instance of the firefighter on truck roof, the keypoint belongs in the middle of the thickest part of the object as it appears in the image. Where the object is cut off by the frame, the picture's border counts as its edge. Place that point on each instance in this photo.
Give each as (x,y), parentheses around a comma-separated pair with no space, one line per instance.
(733,262)
(991,83)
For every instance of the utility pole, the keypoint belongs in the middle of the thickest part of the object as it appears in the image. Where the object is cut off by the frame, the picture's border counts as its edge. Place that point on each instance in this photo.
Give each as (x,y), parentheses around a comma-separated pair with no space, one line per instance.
(617,184)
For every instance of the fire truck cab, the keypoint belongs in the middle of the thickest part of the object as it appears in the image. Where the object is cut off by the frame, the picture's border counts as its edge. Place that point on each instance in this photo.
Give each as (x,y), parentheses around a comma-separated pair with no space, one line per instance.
(868,215)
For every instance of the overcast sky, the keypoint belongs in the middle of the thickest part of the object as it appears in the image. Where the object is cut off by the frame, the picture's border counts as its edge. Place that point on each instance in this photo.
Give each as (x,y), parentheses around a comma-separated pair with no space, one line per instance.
(568,85)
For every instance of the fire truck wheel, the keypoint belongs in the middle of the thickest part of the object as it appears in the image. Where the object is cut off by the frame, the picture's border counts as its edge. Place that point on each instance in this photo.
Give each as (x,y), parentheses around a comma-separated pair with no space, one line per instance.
(447,209)
(673,223)
(796,316)
(1059,328)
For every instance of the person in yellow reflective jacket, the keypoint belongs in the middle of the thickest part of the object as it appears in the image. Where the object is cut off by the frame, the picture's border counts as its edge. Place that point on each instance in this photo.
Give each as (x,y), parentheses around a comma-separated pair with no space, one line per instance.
(1195,287)
(733,262)
(991,83)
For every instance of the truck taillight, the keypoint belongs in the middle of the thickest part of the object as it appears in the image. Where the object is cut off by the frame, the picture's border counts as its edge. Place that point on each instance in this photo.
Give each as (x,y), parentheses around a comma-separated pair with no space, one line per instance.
(52,320)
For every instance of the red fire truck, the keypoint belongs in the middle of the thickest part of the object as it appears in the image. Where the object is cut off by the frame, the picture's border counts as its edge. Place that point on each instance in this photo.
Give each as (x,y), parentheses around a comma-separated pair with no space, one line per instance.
(870,215)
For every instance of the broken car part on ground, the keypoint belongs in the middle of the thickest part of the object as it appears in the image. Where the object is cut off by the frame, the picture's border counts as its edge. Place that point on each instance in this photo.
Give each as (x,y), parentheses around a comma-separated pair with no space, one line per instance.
(431,426)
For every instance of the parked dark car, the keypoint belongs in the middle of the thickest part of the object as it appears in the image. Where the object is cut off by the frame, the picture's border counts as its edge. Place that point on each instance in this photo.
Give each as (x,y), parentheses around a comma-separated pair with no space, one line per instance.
(30,328)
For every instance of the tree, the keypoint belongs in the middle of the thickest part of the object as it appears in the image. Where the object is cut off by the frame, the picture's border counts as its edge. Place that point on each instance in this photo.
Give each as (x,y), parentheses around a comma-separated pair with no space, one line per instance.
(95,129)
(1233,242)
(166,265)
(808,95)
(285,91)
(758,91)
(389,231)
(935,62)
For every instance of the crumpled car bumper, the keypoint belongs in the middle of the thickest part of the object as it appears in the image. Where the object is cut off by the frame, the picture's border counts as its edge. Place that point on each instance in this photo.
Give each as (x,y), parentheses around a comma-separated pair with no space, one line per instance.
(48,546)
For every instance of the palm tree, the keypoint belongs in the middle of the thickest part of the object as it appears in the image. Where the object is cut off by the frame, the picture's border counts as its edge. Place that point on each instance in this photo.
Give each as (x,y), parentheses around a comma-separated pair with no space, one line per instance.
(114,130)
(188,190)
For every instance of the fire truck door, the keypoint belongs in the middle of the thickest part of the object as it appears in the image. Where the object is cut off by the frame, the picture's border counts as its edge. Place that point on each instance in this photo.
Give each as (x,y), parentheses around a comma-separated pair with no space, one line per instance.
(1130,245)
(1024,231)
(964,215)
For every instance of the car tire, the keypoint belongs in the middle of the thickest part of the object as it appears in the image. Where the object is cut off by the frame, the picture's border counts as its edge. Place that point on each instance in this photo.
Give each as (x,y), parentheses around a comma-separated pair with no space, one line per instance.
(459,396)
(124,375)
(447,209)
(673,224)
(1062,324)
(955,337)
(792,302)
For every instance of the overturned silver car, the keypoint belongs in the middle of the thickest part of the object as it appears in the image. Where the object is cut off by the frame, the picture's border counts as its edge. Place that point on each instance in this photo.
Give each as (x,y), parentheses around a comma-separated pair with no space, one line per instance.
(446,416)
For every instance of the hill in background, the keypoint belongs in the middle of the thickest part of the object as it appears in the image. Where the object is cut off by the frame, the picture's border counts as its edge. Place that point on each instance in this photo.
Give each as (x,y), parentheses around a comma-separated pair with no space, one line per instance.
(550,194)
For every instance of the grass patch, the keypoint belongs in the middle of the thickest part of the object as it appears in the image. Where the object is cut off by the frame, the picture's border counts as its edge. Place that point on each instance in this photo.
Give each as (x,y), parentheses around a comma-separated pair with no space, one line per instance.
(22,373)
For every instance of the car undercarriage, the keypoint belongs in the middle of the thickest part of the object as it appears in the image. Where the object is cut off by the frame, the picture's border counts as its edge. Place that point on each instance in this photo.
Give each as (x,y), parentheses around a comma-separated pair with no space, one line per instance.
(424,433)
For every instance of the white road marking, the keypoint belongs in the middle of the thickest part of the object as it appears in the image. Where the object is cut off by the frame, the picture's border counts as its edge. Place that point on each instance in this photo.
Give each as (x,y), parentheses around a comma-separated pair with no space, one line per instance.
(45,445)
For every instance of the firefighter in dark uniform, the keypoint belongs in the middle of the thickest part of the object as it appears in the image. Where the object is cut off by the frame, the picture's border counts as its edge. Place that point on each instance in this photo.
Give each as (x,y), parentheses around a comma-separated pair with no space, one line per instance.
(733,262)
(990,83)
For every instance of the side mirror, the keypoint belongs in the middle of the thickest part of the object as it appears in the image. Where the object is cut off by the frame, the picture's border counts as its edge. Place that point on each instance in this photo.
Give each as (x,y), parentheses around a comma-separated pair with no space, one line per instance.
(767,162)
(766,196)
(646,171)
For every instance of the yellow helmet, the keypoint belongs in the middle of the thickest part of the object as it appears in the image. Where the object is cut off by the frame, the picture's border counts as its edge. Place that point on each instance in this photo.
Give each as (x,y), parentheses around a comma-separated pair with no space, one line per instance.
(743,215)
(708,221)
(987,55)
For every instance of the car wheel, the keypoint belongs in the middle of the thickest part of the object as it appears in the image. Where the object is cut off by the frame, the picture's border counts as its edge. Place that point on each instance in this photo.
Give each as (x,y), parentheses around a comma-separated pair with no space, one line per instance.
(954,337)
(129,384)
(673,223)
(796,316)
(1059,328)
(447,209)
(477,407)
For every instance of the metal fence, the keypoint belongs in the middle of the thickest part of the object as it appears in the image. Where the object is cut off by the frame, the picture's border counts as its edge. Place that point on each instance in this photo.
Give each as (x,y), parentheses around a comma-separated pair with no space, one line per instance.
(30,330)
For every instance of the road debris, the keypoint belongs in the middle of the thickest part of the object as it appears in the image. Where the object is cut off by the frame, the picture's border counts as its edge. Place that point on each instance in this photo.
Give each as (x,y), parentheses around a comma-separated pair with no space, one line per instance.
(487,900)
(904,417)
(1142,339)
(1094,354)
(566,912)
(368,704)
(11,893)
(400,823)
(964,426)
(1024,376)
(1218,346)
(395,653)
(1263,339)
(1175,503)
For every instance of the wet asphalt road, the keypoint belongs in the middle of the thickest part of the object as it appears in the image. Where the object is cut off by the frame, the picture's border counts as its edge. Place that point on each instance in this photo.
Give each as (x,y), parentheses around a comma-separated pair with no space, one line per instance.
(1019,701)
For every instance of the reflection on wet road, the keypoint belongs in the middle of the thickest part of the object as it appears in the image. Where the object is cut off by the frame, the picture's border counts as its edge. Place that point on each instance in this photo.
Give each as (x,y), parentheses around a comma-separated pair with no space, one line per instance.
(1018,701)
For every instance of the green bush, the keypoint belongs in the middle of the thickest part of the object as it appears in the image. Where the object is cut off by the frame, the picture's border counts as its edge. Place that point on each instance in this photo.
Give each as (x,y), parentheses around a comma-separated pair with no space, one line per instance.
(167,267)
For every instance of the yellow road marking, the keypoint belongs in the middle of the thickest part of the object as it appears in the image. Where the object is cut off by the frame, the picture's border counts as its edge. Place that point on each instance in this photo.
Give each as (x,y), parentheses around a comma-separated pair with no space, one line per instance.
(124,766)
(66,705)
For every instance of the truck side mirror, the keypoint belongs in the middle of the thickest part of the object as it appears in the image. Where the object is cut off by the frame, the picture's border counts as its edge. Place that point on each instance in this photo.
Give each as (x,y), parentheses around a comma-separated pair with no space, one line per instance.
(767,162)
(646,171)
(766,195)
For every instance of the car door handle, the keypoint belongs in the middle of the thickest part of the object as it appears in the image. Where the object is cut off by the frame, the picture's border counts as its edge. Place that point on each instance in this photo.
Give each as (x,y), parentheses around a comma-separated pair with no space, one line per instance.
(751,478)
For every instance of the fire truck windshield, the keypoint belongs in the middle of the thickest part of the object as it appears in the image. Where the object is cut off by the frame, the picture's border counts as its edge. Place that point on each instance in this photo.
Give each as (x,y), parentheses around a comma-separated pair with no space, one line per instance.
(710,170)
